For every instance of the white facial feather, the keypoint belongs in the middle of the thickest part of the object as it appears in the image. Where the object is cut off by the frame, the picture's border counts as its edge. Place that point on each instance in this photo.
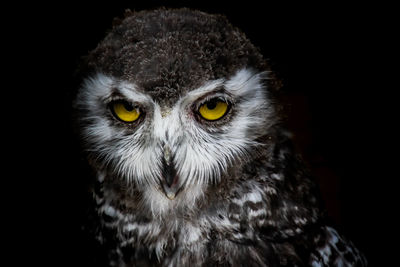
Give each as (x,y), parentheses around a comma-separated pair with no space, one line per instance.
(201,154)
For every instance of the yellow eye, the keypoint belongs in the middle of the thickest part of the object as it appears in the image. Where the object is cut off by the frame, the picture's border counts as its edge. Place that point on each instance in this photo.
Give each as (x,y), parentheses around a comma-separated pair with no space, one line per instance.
(125,111)
(213,109)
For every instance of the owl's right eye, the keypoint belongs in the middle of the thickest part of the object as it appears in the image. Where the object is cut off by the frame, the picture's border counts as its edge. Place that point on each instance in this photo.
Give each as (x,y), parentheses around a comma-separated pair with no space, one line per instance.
(124,111)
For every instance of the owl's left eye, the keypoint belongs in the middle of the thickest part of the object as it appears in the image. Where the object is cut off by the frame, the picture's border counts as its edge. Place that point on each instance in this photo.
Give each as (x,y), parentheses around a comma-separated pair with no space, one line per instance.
(125,111)
(213,109)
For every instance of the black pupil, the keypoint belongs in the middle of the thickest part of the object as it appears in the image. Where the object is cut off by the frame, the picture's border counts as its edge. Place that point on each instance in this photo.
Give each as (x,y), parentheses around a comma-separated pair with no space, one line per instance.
(212,104)
(128,106)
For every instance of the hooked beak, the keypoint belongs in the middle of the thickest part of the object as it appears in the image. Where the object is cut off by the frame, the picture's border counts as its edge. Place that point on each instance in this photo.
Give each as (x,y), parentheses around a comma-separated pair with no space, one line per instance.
(170,179)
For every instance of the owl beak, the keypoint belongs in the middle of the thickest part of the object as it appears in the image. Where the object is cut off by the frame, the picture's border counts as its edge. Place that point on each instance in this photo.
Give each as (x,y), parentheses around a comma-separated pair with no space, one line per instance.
(170,192)
(170,181)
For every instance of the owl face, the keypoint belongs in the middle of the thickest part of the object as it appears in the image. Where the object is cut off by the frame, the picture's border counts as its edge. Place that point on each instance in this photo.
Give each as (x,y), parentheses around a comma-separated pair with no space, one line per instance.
(167,149)
(167,115)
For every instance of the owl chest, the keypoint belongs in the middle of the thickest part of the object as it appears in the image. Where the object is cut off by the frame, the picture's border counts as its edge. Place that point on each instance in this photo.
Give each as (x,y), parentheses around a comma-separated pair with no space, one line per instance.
(158,240)
(180,235)
(172,239)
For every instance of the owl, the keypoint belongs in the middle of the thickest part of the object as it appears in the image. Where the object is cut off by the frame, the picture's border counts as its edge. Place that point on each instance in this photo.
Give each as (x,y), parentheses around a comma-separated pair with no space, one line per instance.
(191,165)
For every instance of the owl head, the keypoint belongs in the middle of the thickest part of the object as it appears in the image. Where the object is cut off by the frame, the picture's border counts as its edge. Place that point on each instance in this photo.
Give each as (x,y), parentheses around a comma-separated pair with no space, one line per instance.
(174,102)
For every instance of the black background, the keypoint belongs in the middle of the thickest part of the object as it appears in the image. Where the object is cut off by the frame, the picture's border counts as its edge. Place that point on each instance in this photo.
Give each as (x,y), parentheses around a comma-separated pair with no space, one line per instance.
(326,55)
